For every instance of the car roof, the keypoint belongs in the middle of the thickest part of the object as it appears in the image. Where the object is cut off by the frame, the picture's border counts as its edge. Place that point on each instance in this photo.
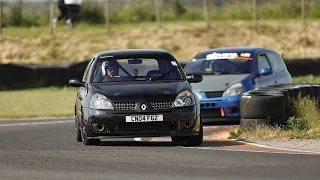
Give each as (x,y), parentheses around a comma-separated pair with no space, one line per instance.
(236,49)
(133,51)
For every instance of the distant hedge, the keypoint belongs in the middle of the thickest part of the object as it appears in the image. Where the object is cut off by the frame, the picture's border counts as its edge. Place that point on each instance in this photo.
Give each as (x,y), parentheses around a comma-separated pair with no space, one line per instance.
(136,11)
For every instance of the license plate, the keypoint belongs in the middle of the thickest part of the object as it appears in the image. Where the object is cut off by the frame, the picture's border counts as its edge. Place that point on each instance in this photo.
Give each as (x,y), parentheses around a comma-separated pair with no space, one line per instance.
(144,118)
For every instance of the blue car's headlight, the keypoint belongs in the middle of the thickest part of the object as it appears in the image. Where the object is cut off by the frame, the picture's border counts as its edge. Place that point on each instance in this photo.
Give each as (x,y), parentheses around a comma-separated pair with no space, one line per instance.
(234,90)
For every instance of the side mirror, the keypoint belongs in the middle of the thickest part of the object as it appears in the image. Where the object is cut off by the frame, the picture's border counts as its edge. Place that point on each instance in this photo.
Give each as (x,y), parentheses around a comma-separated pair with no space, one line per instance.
(75,83)
(265,71)
(195,78)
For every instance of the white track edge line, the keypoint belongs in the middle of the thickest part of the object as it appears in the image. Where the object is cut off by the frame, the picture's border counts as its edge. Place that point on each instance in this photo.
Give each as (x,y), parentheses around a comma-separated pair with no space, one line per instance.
(271,147)
(138,139)
(35,123)
(269,152)
(37,118)
(254,144)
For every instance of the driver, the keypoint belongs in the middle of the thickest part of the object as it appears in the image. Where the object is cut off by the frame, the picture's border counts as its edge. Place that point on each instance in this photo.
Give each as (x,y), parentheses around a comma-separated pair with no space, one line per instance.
(216,67)
(110,71)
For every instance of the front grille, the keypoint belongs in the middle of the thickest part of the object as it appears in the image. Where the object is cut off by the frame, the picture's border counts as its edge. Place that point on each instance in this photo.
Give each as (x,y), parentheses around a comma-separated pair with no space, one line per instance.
(145,126)
(124,106)
(161,105)
(214,94)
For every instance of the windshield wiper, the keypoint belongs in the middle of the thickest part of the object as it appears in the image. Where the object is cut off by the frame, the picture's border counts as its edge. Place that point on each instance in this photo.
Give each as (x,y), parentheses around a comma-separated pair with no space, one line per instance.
(158,77)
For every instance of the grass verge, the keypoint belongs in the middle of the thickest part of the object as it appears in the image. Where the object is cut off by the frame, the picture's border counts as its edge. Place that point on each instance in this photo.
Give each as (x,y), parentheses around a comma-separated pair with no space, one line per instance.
(304,125)
(306,79)
(44,102)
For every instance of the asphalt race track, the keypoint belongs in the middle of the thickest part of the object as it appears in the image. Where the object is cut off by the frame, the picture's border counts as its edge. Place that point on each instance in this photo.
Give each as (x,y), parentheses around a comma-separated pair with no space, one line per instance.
(50,151)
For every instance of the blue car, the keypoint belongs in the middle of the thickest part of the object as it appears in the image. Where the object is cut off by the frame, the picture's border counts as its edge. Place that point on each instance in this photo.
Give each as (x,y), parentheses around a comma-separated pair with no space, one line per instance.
(227,73)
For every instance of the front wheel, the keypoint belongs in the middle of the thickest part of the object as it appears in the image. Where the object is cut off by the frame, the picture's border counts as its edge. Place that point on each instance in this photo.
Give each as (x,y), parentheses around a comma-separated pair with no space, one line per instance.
(176,140)
(195,140)
(78,132)
(87,141)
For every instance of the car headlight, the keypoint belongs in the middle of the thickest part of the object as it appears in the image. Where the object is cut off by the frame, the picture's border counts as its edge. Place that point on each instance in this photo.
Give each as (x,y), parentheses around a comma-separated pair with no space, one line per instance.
(185,98)
(234,90)
(99,101)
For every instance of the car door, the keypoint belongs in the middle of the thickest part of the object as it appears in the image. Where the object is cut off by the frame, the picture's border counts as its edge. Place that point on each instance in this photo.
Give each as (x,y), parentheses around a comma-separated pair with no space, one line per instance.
(263,62)
(282,76)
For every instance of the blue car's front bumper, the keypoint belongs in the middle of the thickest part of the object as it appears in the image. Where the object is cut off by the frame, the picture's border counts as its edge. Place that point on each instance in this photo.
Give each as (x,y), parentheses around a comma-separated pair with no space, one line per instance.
(220,108)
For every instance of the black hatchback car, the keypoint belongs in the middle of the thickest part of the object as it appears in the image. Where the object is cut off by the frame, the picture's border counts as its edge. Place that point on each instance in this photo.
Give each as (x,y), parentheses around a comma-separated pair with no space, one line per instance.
(137,93)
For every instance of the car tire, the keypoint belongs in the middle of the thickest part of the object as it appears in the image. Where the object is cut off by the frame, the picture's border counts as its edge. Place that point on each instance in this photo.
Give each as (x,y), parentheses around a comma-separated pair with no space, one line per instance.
(262,105)
(195,140)
(177,140)
(286,93)
(293,87)
(317,94)
(79,138)
(78,132)
(87,141)
(310,90)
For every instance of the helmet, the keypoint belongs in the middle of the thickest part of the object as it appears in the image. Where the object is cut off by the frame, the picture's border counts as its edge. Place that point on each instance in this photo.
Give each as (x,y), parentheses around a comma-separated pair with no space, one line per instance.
(107,68)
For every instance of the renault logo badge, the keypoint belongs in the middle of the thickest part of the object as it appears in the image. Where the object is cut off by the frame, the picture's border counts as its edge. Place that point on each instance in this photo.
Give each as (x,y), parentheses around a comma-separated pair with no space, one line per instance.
(143,107)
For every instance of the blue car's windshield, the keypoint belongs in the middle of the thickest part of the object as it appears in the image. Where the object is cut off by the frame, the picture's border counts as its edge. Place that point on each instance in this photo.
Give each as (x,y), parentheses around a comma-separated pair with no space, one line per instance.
(220,65)
(113,69)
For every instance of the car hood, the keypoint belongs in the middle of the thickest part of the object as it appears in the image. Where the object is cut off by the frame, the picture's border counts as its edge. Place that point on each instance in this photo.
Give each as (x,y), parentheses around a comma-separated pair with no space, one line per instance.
(141,92)
(217,82)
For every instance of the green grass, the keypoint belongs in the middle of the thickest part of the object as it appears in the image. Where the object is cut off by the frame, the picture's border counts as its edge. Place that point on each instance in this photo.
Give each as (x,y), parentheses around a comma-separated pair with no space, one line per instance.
(306,79)
(44,102)
(87,28)
(304,125)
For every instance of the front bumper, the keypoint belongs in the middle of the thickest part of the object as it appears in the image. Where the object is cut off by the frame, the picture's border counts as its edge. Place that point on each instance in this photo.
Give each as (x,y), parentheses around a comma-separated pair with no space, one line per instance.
(220,109)
(115,124)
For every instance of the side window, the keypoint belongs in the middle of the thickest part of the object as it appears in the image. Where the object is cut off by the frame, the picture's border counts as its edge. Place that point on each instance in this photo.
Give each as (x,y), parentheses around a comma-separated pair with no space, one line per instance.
(263,62)
(85,74)
(276,62)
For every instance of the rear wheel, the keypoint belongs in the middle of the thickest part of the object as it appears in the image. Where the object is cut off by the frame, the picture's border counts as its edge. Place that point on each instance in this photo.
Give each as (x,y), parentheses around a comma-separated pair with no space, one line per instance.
(195,140)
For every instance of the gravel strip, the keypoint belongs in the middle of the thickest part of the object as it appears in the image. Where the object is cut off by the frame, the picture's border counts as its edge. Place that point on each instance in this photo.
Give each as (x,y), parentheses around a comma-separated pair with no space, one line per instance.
(299,145)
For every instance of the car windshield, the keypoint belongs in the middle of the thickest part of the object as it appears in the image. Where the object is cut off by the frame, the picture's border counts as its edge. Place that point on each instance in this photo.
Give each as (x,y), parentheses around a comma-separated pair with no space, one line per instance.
(240,63)
(118,69)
